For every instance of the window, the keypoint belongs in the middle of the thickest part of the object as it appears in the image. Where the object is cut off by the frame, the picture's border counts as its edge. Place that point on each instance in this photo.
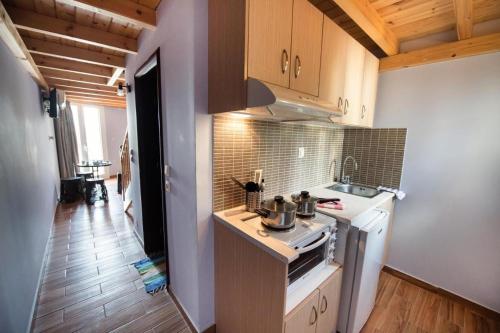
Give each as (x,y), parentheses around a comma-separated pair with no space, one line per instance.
(92,120)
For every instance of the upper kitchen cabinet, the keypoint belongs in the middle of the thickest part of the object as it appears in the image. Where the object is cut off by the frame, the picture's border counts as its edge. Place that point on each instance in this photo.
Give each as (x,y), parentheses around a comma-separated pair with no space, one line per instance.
(369,91)
(348,76)
(307,34)
(269,38)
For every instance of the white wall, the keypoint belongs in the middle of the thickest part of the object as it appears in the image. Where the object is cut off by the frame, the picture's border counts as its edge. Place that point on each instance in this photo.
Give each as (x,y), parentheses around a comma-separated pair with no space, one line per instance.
(447,230)
(181,35)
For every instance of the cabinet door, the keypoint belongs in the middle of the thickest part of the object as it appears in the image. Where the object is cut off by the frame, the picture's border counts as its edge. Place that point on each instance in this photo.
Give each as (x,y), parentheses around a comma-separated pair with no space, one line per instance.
(304,317)
(333,63)
(369,92)
(269,40)
(307,35)
(353,82)
(329,298)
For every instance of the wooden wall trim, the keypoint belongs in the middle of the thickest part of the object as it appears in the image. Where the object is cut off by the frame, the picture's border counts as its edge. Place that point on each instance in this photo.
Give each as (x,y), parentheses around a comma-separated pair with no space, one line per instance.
(443,52)
(448,294)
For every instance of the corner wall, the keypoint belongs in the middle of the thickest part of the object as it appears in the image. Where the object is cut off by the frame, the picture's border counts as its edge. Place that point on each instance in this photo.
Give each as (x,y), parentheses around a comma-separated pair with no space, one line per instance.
(29,178)
(181,35)
(446,231)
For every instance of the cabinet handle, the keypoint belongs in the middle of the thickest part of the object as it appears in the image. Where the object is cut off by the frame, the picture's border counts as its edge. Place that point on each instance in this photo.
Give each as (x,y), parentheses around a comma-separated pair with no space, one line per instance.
(315,316)
(325,302)
(346,106)
(363,110)
(298,66)
(284,61)
(339,103)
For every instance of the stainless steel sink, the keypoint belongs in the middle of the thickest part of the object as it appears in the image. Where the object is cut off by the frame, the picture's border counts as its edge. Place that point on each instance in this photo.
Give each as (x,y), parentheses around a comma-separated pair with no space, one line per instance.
(359,190)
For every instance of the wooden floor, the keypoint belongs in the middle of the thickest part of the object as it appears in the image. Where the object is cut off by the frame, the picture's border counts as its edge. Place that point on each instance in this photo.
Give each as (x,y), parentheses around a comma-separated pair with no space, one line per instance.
(405,307)
(88,283)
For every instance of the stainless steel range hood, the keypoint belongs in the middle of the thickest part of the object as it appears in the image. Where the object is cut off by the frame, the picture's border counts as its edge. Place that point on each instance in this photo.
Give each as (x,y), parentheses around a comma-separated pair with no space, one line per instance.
(267,101)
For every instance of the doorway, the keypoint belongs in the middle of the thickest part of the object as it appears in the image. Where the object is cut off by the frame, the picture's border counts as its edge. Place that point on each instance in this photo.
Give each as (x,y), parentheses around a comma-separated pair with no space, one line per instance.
(147,86)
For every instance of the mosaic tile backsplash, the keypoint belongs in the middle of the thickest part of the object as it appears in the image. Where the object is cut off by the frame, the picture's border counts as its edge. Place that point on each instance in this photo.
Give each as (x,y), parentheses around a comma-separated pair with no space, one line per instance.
(241,146)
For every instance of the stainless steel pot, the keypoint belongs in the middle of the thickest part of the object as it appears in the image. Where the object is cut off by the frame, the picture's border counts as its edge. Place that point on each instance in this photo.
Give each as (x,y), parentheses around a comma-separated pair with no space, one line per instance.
(277,213)
(306,204)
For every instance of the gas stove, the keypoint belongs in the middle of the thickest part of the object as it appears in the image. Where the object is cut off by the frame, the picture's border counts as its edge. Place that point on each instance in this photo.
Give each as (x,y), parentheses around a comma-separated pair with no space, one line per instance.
(304,228)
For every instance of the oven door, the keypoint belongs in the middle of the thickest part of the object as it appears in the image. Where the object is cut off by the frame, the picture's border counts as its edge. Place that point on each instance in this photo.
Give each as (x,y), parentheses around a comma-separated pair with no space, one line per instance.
(311,254)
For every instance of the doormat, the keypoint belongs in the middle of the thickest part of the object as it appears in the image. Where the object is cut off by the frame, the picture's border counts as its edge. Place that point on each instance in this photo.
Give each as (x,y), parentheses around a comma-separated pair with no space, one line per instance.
(152,271)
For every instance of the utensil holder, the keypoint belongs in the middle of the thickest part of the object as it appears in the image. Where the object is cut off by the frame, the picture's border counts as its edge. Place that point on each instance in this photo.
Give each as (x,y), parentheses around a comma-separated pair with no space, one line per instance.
(253,200)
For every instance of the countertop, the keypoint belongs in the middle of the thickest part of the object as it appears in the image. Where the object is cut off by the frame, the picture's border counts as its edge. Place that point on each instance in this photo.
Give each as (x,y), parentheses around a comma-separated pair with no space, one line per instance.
(354,207)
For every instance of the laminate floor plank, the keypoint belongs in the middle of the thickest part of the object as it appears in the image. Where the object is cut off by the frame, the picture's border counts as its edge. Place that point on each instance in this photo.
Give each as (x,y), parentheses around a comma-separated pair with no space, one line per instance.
(403,307)
(88,282)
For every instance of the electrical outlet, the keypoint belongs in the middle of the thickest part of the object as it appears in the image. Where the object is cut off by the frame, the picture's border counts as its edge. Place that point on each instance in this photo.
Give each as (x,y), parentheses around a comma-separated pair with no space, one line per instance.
(302,152)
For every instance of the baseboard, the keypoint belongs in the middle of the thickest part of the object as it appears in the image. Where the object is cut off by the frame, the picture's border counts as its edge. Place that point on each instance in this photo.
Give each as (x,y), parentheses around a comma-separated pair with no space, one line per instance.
(41,273)
(210,329)
(182,311)
(487,312)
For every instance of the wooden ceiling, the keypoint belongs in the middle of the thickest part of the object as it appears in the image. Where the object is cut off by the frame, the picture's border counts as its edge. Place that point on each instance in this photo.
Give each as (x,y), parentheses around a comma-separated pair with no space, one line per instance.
(80,45)
(381,25)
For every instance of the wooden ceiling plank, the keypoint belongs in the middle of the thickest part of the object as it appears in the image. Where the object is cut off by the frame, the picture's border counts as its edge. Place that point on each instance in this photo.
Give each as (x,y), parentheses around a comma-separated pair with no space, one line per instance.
(116,75)
(464,16)
(122,10)
(443,52)
(11,37)
(370,22)
(77,77)
(101,96)
(72,66)
(98,103)
(81,85)
(85,91)
(96,98)
(24,19)
(73,53)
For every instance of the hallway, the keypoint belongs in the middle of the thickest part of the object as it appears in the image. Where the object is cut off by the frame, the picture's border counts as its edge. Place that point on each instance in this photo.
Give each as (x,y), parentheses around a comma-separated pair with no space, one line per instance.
(89,284)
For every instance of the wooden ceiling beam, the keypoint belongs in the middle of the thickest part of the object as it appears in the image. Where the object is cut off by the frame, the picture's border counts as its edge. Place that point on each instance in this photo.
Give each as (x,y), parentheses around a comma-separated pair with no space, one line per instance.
(31,21)
(122,10)
(57,50)
(98,95)
(81,91)
(367,18)
(76,77)
(81,85)
(72,66)
(98,103)
(116,75)
(464,16)
(11,37)
(443,52)
(96,98)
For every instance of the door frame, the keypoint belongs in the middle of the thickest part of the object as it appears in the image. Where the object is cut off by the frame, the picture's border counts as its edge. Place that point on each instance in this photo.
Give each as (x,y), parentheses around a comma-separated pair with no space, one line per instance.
(151,62)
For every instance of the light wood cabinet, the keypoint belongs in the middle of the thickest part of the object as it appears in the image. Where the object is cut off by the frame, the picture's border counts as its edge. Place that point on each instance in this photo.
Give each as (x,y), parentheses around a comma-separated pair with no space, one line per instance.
(333,63)
(353,83)
(307,34)
(369,90)
(304,317)
(329,299)
(269,38)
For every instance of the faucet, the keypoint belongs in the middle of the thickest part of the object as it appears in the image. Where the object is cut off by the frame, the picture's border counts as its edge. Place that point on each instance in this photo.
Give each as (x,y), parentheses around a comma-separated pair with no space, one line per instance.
(347,179)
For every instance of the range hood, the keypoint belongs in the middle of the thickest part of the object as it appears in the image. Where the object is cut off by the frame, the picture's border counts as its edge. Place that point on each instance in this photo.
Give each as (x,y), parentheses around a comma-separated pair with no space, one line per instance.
(271,102)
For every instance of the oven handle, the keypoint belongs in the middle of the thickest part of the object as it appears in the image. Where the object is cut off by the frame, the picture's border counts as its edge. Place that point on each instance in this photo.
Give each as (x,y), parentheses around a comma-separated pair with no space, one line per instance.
(315,245)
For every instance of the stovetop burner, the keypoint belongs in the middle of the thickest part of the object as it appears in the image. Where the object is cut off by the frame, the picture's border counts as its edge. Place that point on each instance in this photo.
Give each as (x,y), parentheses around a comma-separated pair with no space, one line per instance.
(292,228)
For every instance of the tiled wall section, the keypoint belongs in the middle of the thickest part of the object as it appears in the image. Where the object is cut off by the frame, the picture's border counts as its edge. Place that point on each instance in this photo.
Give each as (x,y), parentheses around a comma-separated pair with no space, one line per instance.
(242,146)
(379,153)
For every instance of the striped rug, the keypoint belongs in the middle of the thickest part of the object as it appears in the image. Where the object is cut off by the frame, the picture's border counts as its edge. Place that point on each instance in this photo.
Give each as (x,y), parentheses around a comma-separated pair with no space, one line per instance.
(152,271)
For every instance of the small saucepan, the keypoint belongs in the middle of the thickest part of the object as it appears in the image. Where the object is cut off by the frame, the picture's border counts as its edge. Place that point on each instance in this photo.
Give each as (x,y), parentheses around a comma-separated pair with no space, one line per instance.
(277,213)
(306,204)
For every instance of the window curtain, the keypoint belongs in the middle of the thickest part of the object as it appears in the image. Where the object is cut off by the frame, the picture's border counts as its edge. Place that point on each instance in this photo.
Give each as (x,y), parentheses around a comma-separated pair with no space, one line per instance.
(67,149)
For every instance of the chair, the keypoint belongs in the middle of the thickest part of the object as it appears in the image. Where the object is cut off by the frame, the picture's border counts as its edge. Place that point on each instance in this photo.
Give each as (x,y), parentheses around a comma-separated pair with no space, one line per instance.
(84,175)
(70,189)
(91,191)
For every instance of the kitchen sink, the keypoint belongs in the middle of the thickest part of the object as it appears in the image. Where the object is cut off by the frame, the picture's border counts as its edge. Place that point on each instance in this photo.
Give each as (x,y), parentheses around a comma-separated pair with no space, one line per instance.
(359,190)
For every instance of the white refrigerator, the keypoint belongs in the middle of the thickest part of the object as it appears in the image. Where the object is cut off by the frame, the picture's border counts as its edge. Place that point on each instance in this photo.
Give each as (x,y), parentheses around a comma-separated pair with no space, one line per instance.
(363,261)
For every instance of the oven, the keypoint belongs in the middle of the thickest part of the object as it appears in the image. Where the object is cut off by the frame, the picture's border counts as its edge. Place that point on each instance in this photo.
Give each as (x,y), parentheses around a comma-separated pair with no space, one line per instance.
(315,252)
